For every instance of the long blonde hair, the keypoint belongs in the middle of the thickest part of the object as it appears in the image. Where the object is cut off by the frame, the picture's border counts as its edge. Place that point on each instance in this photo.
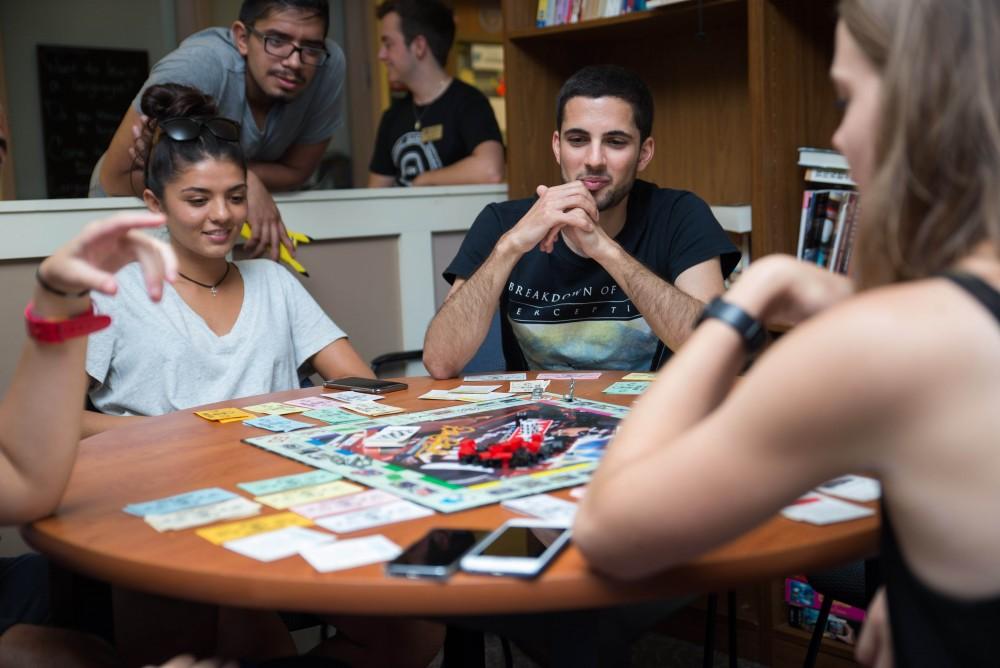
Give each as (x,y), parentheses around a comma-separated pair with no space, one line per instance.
(935,193)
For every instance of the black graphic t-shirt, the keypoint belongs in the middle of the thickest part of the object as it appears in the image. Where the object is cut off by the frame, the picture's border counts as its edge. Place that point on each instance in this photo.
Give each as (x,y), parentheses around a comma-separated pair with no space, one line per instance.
(562,311)
(450,128)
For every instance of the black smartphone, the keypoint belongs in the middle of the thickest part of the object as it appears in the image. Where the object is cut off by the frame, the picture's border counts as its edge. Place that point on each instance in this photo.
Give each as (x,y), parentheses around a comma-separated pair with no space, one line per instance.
(368,385)
(436,555)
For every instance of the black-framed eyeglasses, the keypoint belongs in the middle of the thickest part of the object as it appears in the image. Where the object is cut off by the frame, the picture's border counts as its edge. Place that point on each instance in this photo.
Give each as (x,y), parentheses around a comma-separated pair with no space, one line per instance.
(188,128)
(283,48)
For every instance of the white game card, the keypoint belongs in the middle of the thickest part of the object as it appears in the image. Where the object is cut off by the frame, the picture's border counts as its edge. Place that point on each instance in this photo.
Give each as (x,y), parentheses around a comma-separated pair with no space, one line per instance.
(853,488)
(352,397)
(370,408)
(474,389)
(816,508)
(352,553)
(343,504)
(528,386)
(496,376)
(391,437)
(545,506)
(376,516)
(274,545)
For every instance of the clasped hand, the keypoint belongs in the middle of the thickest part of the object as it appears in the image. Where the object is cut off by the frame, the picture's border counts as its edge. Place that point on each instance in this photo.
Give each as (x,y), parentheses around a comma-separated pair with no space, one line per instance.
(568,208)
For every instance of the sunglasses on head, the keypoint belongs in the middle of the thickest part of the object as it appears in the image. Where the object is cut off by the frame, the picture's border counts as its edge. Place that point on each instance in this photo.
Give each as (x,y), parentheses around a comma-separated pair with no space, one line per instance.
(186,128)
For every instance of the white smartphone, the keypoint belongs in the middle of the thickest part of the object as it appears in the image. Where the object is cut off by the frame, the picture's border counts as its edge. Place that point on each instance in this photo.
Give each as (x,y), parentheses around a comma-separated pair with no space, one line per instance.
(522,548)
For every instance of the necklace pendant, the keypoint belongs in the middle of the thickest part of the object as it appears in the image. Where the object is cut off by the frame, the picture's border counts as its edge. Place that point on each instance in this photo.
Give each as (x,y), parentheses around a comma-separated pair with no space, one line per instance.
(214,290)
(416,125)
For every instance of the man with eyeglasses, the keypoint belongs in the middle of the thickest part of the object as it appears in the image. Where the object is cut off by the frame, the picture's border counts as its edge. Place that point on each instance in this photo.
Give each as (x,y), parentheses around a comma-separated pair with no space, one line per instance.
(276,73)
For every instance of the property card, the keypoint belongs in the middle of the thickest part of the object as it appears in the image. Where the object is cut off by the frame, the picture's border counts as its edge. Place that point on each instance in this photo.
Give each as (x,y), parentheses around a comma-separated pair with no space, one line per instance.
(333,416)
(352,553)
(474,389)
(200,515)
(224,533)
(853,488)
(628,387)
(344,504)
(545,506)
(640,375)
(391,437)
(376,516)
(516,387)
(314,402)
(442,395)
(477,398)
(274,545)
(277,423)
(274,408)
(224,414)
(570,375)
(496,376)
(350,396)
(372,409)
(300,495)
(286,482)
(816,508)
(170,504)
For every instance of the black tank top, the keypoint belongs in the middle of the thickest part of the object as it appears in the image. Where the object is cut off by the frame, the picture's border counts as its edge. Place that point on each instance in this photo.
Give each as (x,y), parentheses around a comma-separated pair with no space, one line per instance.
(930,628)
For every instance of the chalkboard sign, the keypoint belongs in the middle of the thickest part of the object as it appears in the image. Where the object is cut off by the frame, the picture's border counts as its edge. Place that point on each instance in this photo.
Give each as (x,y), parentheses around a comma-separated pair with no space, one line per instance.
(84,95)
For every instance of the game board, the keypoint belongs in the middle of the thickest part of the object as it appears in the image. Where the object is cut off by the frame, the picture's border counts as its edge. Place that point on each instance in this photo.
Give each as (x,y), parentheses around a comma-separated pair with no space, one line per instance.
(427,470)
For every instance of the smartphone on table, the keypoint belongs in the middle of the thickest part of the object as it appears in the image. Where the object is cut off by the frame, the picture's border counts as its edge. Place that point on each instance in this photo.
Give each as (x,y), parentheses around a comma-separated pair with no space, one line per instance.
(522,548)
(367,385)
(436,555)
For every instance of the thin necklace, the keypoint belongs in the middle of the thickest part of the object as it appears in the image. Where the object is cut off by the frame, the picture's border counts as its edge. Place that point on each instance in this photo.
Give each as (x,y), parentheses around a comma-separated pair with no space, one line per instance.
(416,116)
(215,287)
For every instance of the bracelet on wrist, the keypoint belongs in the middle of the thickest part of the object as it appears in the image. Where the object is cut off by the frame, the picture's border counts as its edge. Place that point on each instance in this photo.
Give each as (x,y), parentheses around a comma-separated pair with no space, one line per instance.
(44,330)
(751,331)
(48,287)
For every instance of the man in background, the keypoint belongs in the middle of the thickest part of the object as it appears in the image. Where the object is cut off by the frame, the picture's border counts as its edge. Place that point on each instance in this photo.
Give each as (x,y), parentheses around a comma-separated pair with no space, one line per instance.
(443,131)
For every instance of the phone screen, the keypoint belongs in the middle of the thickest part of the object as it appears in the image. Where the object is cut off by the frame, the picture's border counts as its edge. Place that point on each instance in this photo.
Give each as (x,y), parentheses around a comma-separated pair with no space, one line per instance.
(525,542)
(440,547)
(366,384)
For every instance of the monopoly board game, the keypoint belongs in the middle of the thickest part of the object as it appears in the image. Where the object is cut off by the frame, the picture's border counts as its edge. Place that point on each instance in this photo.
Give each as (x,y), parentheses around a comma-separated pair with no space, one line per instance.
(427,469)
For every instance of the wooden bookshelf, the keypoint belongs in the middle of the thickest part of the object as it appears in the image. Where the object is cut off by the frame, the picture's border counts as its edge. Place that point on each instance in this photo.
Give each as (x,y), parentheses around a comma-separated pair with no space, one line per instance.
(738,86)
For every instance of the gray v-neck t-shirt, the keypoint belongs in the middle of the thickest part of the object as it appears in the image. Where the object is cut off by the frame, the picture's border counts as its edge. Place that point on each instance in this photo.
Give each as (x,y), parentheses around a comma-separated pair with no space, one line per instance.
(158,358)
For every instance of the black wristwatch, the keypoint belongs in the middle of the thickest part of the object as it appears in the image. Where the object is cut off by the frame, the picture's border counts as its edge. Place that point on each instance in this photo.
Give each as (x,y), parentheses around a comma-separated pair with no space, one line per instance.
(750,329)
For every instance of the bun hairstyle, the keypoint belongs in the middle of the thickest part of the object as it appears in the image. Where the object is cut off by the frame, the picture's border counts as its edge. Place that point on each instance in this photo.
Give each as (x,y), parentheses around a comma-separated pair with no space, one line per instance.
(166,157)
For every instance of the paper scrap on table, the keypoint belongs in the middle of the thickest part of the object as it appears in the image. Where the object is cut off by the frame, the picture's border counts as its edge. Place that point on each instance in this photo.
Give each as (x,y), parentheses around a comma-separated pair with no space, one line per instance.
(474,389)
(495,376)
(545,506)
(277,423)
(224,533)
(391,437)
(286,482)
(626,388)
(816,508)
(274,408)
(372,409)
(295,497)
(578,492)
(351,397)
(278,544)
(224,415)
(170,504)
(333,415)
(344,504)
(351,553)
(640,375)
(201,515)
(314,402)
(570,375)
(375,516)
(518,387)
(853,488)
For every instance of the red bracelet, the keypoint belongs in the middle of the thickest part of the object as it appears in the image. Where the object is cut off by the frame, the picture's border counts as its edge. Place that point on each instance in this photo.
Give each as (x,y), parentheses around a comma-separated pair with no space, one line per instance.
(57,331)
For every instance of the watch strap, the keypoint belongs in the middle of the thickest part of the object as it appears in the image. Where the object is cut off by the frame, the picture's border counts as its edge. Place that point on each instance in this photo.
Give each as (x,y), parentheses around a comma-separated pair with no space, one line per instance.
(751,330)
(44,330)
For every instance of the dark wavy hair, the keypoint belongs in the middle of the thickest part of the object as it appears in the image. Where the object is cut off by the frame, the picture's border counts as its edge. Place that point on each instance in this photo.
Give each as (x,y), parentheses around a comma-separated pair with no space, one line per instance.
(253,10)
(596,81)
(167,158)
(430,18)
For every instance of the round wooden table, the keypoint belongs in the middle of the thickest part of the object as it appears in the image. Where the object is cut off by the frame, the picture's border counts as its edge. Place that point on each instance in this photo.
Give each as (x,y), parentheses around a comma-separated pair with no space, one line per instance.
(181,452)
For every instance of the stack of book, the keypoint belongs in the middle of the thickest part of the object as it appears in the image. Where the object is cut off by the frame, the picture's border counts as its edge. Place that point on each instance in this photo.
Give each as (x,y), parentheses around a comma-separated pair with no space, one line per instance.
(804,602)
(829,215)
(559,12)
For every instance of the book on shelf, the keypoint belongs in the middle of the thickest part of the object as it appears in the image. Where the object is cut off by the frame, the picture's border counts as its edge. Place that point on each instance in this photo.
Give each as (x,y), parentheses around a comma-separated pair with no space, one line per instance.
(825,158)
(562,12)
(803,612)
(829,214)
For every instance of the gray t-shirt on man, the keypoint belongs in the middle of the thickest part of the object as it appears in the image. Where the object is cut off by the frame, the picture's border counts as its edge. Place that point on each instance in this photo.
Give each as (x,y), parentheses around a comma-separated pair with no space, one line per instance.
(158,358)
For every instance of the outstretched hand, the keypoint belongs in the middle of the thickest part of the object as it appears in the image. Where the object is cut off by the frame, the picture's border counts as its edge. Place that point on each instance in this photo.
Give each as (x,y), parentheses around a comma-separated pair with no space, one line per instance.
(90,260)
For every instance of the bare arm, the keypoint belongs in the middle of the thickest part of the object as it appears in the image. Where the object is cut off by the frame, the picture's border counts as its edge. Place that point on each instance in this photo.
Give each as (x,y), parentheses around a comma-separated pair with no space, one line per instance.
(94,422)
(483,165)
(380,180)
(339,359)
(460,326)
(121,172)
(38,438)
(292,169)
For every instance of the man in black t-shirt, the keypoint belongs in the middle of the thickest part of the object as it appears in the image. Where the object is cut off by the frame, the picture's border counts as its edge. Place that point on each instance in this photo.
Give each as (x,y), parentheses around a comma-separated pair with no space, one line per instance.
(593,273)
(443,132)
